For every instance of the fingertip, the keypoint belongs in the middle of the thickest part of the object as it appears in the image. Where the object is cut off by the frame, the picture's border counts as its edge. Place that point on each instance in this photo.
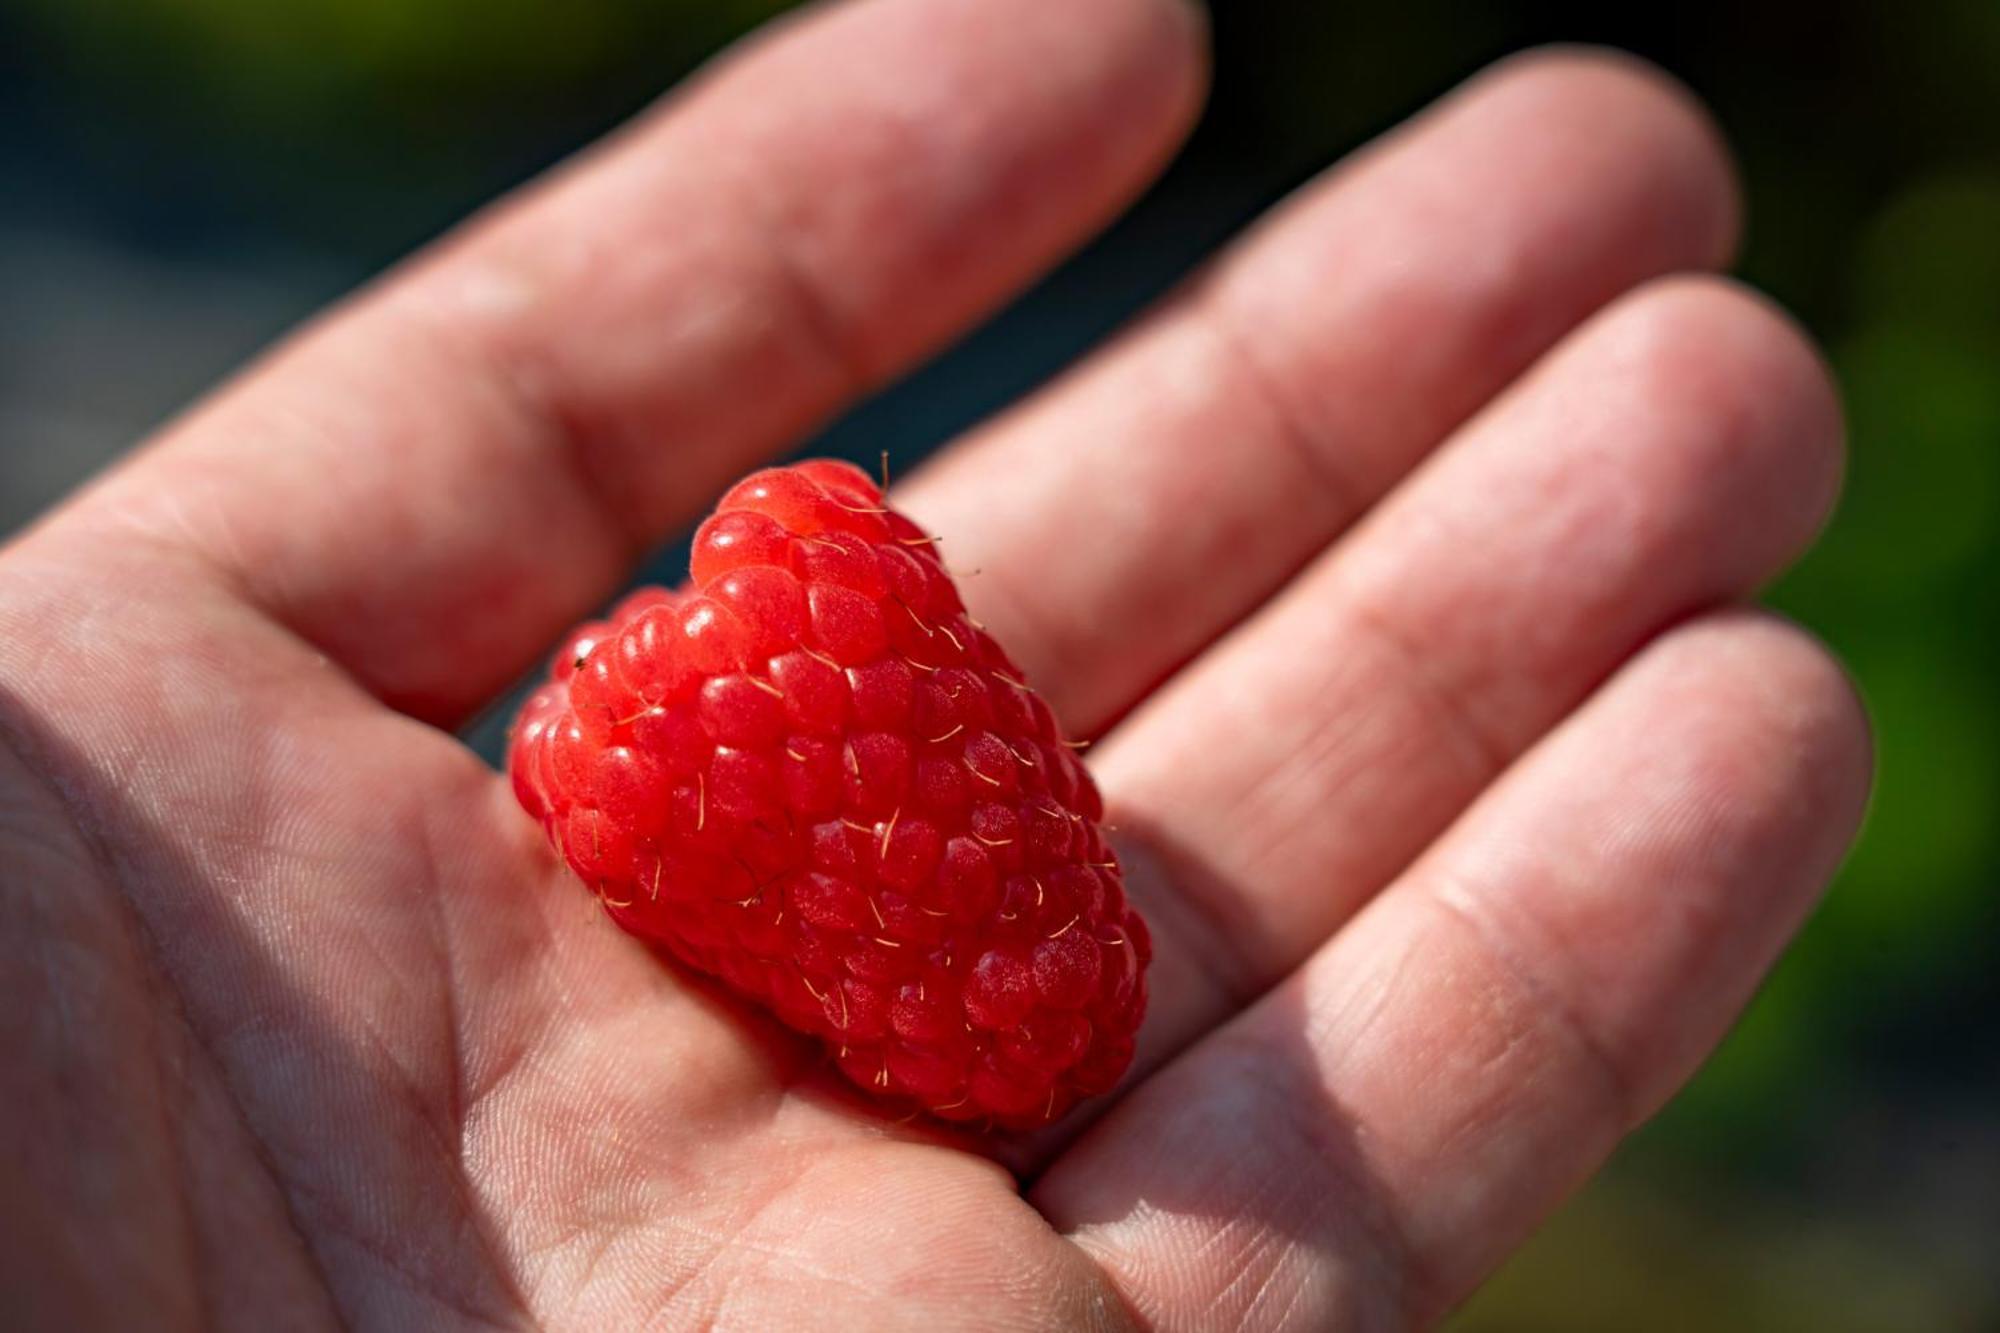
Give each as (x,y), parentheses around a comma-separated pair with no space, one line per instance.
(1760,416)
(988,127)
(1781,729)
(1817,717)
(1796,379)
(1159,57)
(1616,93)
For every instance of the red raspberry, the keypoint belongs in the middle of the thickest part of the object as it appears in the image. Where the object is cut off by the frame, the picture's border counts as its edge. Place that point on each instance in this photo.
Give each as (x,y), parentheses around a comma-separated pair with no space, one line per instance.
(811,776)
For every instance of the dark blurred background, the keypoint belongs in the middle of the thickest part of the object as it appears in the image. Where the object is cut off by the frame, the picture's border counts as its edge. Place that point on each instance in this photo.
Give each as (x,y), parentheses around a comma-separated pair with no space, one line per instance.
(180,180)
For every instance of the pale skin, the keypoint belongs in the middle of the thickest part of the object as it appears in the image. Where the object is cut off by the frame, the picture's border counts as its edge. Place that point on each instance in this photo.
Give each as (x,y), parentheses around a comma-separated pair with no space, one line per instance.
(1396,562)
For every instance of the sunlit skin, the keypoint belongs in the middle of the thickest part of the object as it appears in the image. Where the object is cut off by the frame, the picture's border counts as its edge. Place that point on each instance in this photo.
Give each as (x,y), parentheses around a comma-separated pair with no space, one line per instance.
(1395,560)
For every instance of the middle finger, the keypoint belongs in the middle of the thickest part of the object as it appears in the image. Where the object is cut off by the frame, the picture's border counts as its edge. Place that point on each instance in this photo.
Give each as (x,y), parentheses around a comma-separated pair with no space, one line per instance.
(1128,515)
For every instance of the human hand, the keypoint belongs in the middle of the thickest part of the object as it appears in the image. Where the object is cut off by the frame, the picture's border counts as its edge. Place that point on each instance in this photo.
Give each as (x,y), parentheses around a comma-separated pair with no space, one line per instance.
(1394,557)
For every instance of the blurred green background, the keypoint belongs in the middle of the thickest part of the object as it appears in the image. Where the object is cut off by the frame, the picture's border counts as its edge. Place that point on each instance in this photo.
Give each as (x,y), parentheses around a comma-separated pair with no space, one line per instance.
(182,179)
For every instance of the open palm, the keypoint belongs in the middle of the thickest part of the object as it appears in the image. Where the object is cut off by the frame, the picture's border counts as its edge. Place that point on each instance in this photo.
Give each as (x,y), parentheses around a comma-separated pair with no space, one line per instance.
(1393,559)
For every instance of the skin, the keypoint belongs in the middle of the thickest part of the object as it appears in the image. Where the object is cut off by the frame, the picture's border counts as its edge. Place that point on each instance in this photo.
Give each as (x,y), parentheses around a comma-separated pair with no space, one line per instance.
(1397,559)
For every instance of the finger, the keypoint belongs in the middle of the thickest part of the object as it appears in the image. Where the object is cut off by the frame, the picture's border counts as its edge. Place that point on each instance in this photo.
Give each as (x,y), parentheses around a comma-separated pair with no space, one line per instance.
(1208,453)
(1674,453)
(430,483)
(1359,1149)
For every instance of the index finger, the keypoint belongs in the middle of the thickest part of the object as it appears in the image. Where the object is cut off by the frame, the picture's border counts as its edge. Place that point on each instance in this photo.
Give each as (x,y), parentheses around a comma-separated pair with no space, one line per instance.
(427,484)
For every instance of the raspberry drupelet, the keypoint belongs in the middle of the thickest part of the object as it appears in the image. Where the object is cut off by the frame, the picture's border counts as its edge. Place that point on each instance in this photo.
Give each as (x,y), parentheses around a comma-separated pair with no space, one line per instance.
(809,775)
